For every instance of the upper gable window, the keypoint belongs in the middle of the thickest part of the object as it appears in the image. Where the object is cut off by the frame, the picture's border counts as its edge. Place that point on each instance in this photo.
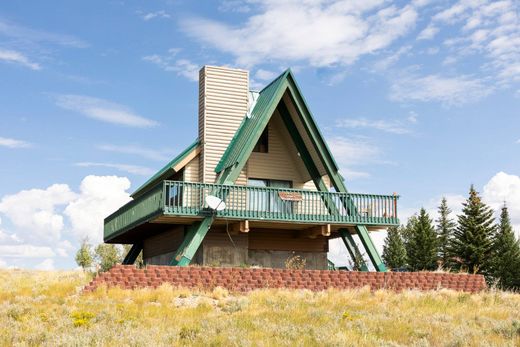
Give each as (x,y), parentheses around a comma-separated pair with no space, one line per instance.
(262,146)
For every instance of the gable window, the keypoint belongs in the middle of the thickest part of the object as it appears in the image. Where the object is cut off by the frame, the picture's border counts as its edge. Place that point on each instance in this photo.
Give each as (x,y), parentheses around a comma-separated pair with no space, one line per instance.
(262,146)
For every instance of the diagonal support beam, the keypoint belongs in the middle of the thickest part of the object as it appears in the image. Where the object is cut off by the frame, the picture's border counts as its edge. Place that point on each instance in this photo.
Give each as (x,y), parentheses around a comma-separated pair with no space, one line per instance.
(306,156)
(191,242)
(367,242)
(352,248)
(337,181)
(133,253)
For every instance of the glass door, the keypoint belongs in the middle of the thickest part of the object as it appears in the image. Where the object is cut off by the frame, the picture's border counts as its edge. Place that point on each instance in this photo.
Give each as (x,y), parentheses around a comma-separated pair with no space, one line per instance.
(268,201)
(258,199)
(276,204)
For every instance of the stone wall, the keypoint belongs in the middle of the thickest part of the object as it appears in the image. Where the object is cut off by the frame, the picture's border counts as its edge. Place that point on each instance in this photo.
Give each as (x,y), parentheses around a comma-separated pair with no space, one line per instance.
(247,279)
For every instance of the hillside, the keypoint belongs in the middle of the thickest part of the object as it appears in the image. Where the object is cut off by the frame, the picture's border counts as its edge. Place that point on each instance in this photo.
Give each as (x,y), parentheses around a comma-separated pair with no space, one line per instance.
(47,308)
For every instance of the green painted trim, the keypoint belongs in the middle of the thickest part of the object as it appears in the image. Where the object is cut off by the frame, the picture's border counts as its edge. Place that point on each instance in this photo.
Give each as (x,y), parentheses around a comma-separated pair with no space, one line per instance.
(166,171)
(303,106)
(367,242)
(247,134)
(191,242)
(352,248)
(306,156)
(134,213)
(133,253)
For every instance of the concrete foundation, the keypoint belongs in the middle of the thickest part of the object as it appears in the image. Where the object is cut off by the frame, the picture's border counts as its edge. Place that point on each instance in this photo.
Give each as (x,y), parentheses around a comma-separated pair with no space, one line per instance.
(269,249)
(277,259)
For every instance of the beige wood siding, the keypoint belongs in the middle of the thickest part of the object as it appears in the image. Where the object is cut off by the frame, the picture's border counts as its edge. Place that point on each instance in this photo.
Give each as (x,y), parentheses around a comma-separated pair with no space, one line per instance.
(282,161)
(301,130)
(223,102)
(191,170)
(164,242)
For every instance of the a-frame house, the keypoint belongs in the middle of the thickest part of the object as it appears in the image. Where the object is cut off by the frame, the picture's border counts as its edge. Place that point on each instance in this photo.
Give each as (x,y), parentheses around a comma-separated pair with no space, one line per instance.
(262,154)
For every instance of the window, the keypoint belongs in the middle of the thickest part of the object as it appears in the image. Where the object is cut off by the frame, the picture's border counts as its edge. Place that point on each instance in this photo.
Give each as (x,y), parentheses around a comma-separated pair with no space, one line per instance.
(262,146)
(265,200)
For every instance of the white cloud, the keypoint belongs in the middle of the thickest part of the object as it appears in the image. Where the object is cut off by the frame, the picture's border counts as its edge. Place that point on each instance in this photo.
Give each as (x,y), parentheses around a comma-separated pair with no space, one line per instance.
(428,33)
(6,237)
(36,210)
(79,215)
(412,117)
(502,188)
(45,265)
(449,60)
(265,75)
(389,126)
(133,169)
(13,143)
(321,33)
(350,154)
(449,91)
(26,251)
(390,60)
(11,56)
(157,14)
(486,28)
(103,110)
(170,63)
(99,196)
(27,35)
(152,154)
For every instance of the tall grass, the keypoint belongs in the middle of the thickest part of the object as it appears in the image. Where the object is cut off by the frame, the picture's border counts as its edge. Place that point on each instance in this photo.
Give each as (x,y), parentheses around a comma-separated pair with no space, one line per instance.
(47,308)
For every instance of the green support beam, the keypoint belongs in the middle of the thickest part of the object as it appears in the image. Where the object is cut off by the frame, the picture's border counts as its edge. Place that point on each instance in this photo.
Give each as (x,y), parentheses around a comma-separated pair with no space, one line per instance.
(133,253)
(352,248)
(306,156)
(191,242)
(337,181)
(367,242)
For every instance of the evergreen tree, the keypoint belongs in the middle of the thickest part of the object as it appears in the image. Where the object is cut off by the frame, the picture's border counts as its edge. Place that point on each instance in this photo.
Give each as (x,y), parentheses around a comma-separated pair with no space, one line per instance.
(445,229)
(406,231)
(422,243)
(505,263)
(107,255)
(394,253)
(472,242)
(84,255)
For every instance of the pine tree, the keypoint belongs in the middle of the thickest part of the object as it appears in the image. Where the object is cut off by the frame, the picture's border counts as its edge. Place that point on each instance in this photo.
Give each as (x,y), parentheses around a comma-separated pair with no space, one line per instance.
(394,253)
(422,243)
(445,229)
(84,255)
(107,255)
(505,263)
(406,231)
(472,242)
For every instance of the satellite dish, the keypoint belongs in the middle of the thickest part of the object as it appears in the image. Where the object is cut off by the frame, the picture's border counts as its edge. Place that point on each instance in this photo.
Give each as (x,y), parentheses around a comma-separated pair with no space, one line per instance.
(215,203)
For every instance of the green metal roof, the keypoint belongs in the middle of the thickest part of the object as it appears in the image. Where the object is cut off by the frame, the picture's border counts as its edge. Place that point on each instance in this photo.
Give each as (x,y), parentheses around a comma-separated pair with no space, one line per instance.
(166,171)
(256,122)
(251,128)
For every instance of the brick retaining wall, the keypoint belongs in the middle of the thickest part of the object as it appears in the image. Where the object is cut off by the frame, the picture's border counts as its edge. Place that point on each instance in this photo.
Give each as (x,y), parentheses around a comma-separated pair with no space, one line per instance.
(242,280)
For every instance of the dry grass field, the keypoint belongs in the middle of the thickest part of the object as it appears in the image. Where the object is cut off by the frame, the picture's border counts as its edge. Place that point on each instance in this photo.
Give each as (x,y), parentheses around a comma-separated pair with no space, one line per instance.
(47,308)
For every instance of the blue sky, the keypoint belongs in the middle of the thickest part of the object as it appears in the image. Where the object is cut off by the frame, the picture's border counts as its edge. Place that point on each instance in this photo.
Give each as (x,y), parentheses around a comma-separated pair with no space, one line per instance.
(420,98)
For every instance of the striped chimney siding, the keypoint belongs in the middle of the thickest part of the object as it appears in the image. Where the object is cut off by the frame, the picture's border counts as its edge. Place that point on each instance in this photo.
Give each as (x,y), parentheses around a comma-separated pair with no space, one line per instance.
(223,102)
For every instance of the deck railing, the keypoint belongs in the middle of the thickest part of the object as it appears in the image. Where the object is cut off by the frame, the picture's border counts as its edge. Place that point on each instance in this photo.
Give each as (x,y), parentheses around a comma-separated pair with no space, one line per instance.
(281,204)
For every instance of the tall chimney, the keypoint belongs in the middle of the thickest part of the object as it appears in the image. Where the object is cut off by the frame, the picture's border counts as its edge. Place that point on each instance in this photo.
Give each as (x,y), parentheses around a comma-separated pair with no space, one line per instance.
(223,103)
